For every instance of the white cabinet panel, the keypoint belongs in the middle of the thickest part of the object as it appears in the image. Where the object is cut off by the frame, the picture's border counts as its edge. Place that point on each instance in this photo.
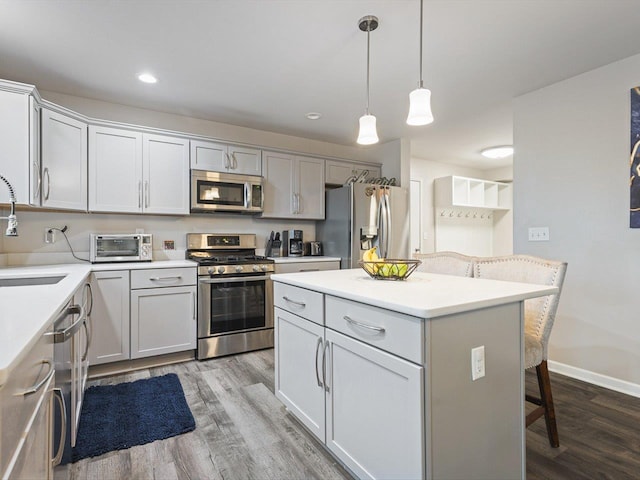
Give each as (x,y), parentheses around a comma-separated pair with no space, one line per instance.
(310,188)
(221,157)
(293,186)
(110,317)
(298,379)
(163,320)
(20,141)
(374,410)
(337,173)
(132,172)
(165,174)
(64,161)
(115,170)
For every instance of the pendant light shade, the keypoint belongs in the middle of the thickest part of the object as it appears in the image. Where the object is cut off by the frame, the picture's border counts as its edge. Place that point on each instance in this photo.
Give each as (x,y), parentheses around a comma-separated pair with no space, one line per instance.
(420,107)
(368,134)
(420,98)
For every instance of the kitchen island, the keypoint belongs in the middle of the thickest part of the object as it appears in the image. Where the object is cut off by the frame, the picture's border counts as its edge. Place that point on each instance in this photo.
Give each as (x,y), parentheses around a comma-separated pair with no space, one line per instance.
(421,378)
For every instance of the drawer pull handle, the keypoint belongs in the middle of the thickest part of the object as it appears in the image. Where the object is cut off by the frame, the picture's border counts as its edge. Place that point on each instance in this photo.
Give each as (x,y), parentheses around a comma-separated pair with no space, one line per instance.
(300,304)
(39,385)
(157,279)
(364,325)
(310,270)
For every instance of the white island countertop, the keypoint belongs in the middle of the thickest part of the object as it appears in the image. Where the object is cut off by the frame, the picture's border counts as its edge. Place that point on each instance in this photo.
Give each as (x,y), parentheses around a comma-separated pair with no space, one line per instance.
(27,311)
(424,295)
(304,259)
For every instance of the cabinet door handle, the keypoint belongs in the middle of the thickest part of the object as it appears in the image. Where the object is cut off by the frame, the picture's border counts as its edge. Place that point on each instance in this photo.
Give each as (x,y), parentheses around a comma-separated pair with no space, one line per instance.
(157,279)
(226,161)
(316,365)
(57,394)
(364,325)
(234,163)
(300,304)
(140,194)
(39,385)
(193,295)
(324,367)
(299,209)
(46,172)
(146,194)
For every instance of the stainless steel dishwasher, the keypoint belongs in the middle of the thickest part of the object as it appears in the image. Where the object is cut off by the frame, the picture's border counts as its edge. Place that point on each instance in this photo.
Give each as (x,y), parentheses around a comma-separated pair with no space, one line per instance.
(66,338)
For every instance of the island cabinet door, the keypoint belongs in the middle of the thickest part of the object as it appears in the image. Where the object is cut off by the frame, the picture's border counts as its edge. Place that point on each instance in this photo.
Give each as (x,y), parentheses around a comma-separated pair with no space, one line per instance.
(375,421)
(299,374)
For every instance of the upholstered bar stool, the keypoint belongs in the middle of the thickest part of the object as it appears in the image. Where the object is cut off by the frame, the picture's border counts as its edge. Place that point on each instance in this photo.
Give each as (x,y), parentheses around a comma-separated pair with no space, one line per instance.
(539,314)
(448,263)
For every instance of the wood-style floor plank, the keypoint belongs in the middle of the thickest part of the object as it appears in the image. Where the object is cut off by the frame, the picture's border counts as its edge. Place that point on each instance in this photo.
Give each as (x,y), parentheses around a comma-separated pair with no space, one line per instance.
(243,432)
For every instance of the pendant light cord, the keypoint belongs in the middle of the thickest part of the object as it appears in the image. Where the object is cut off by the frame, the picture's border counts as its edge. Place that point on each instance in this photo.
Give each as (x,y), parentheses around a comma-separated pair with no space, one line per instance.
(368,34)
(421,82)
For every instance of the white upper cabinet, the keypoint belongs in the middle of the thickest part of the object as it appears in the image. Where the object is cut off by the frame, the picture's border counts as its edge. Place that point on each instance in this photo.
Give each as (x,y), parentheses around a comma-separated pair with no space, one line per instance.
(293,186)
(20,141)
(64,161)
(337,173)
(115,170)
(132,172)
(221,157)
(165,173)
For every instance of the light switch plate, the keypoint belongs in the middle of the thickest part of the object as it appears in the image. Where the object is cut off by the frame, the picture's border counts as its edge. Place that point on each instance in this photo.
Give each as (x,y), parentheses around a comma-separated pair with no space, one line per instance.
(477,362)
(539,234)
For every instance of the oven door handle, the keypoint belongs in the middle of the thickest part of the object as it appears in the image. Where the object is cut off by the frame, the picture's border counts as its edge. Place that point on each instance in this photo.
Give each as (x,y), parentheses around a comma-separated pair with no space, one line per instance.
(233,279)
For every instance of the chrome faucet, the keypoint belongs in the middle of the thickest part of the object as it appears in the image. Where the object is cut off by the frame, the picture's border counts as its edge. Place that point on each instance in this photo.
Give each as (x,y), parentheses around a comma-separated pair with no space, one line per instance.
(12,221)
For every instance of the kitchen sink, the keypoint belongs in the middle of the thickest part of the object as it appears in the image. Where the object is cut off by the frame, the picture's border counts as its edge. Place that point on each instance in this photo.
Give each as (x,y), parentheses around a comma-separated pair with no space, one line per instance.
(26,281)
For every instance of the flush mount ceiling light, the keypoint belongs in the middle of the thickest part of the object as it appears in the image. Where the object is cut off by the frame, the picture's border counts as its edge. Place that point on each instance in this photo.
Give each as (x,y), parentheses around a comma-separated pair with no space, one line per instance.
(147,78)
(368,134)
(313,115)
(420,98)
(502,151)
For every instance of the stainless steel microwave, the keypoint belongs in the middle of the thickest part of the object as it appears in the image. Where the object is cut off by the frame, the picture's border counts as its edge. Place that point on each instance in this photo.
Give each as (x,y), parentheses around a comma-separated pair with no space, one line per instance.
(134,247)
(226,192)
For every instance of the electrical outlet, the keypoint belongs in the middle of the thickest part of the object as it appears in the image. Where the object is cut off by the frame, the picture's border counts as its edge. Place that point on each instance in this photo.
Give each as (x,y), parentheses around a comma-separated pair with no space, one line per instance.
(477,363)
(539,234)
(49,235)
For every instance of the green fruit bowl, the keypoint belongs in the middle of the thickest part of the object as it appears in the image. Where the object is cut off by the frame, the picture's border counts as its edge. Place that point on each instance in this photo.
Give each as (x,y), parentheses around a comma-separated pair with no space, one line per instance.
(390,269)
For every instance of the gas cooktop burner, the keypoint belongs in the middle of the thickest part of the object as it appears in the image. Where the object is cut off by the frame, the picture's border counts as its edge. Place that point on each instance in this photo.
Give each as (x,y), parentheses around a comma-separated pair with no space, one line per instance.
(226,254)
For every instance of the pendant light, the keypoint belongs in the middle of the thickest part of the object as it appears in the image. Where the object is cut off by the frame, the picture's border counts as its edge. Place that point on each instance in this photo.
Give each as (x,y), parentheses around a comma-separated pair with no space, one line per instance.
(368,134)
(420,98)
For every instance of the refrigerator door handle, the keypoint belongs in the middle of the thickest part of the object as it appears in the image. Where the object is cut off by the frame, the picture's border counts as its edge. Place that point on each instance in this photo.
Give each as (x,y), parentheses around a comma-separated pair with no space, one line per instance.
(383,225)
(388,231)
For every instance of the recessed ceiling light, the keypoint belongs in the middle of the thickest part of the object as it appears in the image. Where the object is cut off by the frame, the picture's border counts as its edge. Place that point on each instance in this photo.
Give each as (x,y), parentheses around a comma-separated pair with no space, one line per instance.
(313,115)
(147,78)
(497,152)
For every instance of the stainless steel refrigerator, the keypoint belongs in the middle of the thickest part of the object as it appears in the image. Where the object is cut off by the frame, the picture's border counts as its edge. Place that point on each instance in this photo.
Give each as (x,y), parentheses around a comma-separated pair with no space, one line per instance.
(360,216)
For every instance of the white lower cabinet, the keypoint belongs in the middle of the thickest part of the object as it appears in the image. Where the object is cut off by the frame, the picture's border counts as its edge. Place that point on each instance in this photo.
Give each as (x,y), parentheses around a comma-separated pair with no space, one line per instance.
(365,404)
(142,312)
(163,320)
(110,317)
(373,410)
(298,377)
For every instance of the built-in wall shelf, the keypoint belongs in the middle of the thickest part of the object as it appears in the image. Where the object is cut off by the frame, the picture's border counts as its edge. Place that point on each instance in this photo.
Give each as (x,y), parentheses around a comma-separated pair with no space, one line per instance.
(454,191)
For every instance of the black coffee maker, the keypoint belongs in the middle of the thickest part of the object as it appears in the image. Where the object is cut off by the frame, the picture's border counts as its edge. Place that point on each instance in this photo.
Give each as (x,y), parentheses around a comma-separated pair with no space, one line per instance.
(292,243)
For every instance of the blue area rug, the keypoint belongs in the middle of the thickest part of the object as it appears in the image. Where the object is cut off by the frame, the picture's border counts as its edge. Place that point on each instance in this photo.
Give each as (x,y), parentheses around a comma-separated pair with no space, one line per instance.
(116,417)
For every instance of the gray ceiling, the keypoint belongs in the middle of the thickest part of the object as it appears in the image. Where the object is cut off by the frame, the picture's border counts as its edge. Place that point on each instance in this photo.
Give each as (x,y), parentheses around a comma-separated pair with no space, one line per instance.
(265,63)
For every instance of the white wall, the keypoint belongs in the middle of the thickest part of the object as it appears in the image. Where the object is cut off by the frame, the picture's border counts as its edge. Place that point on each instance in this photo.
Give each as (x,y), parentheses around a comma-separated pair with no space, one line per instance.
(571,174)
(425,171)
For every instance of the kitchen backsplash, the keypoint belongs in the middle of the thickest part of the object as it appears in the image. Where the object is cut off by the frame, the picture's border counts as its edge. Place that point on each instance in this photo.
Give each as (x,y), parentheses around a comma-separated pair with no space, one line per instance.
(29,248)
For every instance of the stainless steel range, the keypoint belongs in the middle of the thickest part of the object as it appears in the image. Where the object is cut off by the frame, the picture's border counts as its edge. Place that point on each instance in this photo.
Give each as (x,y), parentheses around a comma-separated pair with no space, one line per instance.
(235,294)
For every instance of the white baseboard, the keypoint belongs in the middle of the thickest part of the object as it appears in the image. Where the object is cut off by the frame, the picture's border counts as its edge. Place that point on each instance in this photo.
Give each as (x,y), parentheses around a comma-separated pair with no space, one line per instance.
(605,381)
